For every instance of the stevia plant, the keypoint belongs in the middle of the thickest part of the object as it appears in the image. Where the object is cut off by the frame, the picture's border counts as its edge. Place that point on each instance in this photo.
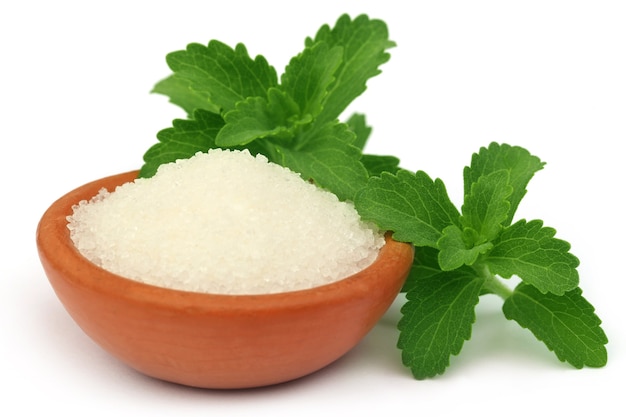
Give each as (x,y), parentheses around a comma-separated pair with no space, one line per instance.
(235,102)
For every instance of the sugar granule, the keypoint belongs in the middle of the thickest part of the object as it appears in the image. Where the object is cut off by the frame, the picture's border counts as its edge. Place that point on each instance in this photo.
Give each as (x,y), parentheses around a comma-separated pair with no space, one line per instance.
(224,222)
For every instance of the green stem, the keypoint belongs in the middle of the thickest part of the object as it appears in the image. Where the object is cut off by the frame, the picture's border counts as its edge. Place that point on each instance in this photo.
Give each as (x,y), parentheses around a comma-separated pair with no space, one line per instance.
(493,283)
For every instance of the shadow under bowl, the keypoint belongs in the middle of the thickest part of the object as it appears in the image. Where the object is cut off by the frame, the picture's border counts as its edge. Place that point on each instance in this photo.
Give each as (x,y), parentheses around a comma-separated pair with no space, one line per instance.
(212,340)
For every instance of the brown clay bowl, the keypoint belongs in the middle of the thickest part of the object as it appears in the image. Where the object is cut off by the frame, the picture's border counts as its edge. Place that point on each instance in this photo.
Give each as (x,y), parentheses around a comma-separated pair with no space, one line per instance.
(208,340)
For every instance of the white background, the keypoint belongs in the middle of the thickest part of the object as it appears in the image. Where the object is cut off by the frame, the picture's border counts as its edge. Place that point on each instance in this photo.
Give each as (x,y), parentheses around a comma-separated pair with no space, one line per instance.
(546,75)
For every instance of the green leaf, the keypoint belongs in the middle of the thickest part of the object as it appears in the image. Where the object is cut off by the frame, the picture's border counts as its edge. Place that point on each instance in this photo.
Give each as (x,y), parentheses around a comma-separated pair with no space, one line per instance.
(183,140)
(454,250)
(256,118)
(362,131)
(530,251)
(181,94)
(308,76)
(425,265)
(377,164)
(567,324)
(413,206)
(329,158)
(486,206)
(363,42)
(437,319)
(520,164)
(221,74)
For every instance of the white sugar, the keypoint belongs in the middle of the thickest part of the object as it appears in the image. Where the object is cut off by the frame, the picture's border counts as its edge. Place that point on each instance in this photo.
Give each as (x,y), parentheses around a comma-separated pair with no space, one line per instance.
(224,222)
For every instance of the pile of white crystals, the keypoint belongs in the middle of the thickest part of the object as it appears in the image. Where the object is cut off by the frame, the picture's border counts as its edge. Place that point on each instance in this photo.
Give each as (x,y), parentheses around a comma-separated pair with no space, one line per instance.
(224,222)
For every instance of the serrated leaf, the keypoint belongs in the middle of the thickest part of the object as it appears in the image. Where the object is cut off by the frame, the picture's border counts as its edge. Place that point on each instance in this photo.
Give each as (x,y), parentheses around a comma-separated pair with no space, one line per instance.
(377,164)
(183,140)
(437,319)
(308,76)
(363,42)
(454,250)
(567,324)
(530,251)
(328,158)
(520,164)
(359,126)
(425,265)
(181,94)
(257,117)
(223,75)
(486,206)
(413,206)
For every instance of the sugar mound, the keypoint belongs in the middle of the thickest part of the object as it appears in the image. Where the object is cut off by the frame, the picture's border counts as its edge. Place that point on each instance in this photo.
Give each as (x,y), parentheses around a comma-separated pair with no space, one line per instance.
(224,222)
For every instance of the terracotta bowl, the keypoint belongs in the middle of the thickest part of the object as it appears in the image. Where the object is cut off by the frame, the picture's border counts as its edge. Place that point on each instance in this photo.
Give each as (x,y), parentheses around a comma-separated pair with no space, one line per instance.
(209,340)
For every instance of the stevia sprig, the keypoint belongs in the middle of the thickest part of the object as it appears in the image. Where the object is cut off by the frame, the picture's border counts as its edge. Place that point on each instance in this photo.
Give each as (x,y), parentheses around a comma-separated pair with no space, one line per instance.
(234,101)
(463,256)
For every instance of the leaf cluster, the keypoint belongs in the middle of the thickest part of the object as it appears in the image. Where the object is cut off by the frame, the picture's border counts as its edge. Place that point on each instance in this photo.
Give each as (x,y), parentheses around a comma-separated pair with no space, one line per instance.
(463,255)
(233,101)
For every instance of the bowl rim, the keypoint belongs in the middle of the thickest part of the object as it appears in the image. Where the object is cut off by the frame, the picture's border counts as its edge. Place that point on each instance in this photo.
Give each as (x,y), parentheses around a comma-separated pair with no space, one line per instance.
(56,248)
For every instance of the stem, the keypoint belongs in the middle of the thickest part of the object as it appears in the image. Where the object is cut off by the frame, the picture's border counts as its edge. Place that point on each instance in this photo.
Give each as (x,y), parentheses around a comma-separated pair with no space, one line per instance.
(492,283)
